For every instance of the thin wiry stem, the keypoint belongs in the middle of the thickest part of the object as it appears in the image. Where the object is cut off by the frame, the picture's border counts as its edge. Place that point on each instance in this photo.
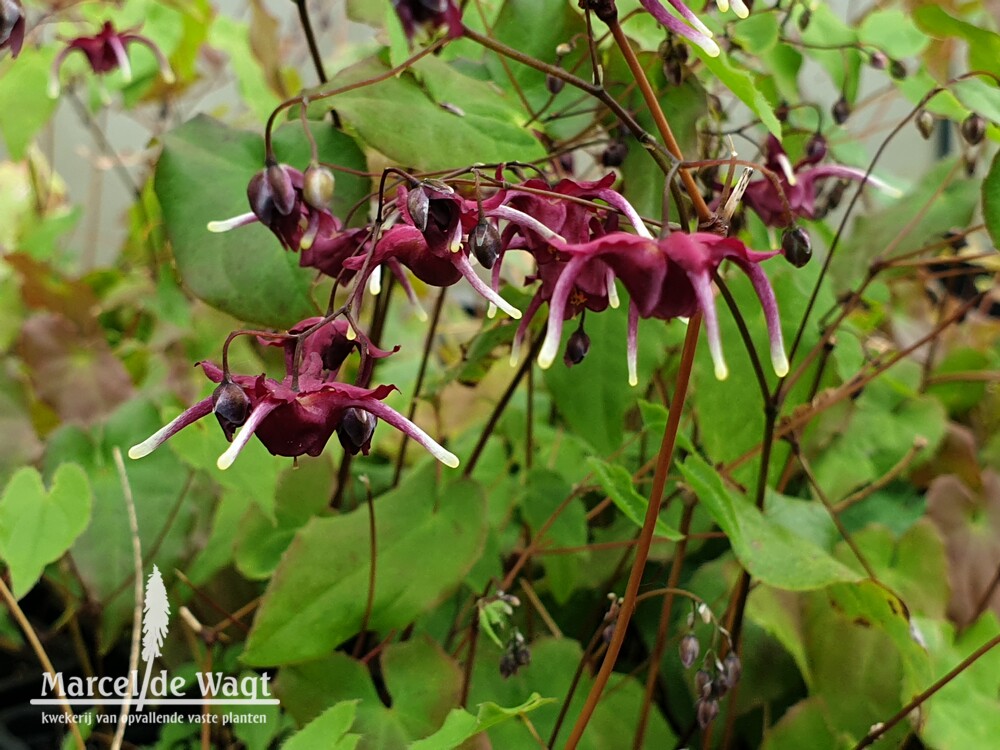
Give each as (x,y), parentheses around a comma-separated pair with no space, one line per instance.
(664,460)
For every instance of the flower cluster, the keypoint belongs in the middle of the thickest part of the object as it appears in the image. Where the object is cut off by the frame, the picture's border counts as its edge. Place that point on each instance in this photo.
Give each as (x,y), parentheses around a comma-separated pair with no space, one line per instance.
(439,232)
(299,414)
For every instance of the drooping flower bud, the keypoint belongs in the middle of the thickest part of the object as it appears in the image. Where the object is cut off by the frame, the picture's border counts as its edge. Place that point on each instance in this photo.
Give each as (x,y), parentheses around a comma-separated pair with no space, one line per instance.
(702,684)
(317,186)
(841,111)
(805,19)
(260,196)
(878,60)
(897,69)
(418,204)
(973,129)
(356,429)
(577,347)
(231,406)
(708,709)
(733,667)
(282,190)
(925,123)
(485,243)
(689,649)
(615,153)
(816,148)
(554,84)
(796,246)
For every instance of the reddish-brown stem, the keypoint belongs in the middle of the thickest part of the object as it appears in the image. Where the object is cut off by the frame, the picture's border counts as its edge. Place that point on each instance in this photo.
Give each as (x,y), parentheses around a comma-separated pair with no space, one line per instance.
(704,212)
(664,460)
(661,631)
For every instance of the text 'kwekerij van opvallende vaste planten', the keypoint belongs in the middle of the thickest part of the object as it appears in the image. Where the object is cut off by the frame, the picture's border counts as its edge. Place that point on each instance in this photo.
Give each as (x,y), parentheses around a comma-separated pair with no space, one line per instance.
(596,374)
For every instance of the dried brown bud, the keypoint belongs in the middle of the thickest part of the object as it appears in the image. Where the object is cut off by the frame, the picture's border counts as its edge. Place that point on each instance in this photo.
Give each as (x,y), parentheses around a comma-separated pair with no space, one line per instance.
(689,649)
(897,69)
(973,129)
(317,186)
(925,123)
(796,246)
(485,242)
(804,19)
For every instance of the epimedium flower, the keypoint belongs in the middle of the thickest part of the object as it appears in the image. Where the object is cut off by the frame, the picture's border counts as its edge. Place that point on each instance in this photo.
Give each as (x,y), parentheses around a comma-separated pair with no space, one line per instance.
(292,421)
(106,51)
(431,14)
(691,28)
(11,26)
(799,182)
(666,278)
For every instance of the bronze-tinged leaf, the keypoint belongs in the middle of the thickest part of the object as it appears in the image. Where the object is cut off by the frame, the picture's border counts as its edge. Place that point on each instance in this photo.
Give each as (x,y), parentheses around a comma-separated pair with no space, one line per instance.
(969,520)
(73,371)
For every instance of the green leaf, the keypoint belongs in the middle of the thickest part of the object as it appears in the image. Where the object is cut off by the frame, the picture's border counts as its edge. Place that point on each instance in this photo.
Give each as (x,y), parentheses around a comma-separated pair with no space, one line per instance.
(422,682)
(769,552)
(544,491)
(893,32)
(617,482)
(984,45)
(316,599)
(461,725)
(202,176)
(741,83)
(328,730)
(25,107)
(37,527)
(964,712)
(491,129)
(553,663)
(991,200)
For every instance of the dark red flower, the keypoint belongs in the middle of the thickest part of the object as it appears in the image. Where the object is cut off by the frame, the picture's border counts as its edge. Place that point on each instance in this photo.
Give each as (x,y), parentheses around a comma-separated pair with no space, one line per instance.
(430,14)
(106,52)
(798,182)
(666,278)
